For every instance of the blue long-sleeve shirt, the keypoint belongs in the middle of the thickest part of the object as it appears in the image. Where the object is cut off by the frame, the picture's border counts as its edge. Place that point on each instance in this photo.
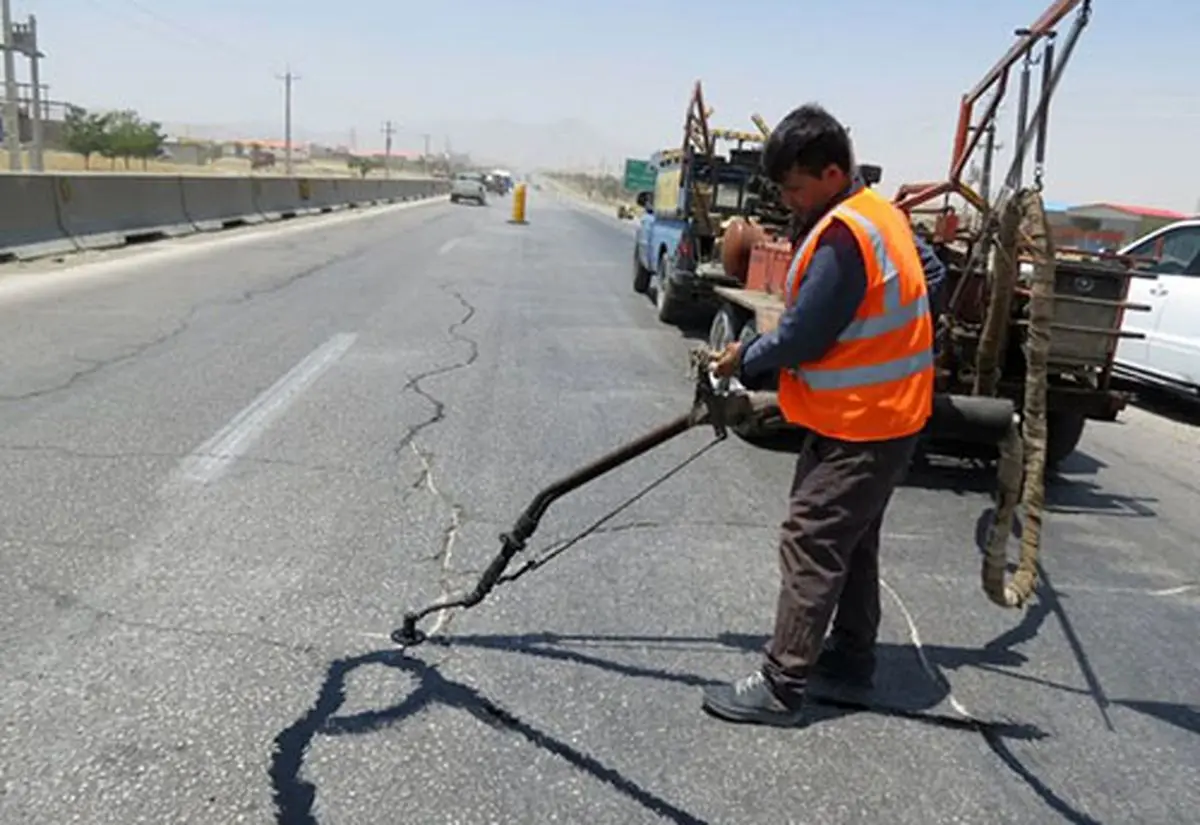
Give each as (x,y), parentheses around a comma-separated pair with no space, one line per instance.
(829,296)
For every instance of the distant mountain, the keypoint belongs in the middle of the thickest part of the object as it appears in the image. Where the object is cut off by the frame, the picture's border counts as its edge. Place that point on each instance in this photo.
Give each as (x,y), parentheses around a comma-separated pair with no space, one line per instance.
(564,144)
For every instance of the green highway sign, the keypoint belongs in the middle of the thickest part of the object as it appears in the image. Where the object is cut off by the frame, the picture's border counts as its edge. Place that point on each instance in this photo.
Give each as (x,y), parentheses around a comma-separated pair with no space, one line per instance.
(639,175)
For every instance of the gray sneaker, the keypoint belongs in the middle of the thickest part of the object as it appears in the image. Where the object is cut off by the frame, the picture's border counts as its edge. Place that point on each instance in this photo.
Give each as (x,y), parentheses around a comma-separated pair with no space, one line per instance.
(752,700)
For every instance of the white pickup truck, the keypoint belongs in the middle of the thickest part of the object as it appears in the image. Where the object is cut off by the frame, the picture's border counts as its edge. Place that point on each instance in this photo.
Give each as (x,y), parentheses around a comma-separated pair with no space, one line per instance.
(1169,355)
(469,186)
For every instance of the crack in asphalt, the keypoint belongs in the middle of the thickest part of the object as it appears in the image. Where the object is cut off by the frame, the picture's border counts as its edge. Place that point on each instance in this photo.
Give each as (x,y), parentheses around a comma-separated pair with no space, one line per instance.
(426,480)
(96,365)
(99,364)
(68,601)
(414,383)
(445,552)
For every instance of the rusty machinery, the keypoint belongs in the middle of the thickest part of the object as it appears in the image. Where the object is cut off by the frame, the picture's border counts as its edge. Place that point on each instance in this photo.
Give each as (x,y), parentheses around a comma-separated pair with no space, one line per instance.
(1024,320)
(1027,328)
(701,148)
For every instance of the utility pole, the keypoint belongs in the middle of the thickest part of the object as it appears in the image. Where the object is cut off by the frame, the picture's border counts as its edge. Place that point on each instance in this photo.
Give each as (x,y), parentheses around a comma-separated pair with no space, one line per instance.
(388,131)
(287,79)
(12,122)
(425,156)
(24,39)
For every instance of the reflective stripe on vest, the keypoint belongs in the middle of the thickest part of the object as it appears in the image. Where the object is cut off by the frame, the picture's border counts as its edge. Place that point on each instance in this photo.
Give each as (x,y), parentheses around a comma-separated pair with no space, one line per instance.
(849,377)
(896,316)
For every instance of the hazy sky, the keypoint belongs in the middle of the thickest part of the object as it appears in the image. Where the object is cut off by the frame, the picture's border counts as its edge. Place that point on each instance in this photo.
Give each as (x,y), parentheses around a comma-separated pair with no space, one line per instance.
(1125,127)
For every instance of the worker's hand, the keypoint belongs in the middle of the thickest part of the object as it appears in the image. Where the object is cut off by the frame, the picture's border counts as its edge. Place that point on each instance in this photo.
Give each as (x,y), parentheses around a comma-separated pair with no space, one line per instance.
(725,362)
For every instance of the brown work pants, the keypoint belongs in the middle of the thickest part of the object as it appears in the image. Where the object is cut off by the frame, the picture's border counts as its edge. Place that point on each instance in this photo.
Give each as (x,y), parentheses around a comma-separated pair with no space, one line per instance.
(829,552)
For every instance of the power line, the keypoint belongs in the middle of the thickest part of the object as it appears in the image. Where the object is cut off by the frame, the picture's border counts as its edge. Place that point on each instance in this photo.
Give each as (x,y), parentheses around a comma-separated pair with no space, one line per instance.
(138,13)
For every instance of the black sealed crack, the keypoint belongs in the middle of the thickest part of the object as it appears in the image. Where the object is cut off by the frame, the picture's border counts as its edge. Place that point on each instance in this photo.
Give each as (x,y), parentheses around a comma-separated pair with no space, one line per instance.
(414,383)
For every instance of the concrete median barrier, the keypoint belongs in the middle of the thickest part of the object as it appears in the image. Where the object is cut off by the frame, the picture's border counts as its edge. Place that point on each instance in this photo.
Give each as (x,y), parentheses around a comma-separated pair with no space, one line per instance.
(49,214)
(29,223)
(103,211)
(331,194)
(279,198)
(371,191)
(219,203)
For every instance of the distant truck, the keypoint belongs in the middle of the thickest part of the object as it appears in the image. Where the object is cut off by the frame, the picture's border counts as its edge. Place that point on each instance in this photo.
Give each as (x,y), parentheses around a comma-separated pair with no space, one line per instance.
(500,181)
(694,190)
(699,188)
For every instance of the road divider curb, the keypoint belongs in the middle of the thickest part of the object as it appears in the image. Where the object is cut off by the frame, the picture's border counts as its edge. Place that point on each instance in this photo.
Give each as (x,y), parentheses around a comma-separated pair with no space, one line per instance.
(54,214)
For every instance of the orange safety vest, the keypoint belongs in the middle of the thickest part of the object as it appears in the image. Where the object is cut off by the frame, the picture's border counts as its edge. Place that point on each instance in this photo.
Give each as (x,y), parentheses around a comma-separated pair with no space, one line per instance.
(876,382)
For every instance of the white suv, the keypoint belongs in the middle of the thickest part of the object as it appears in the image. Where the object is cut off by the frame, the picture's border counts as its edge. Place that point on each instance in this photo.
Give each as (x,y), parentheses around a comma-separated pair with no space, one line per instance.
(1169,354)
(468,186)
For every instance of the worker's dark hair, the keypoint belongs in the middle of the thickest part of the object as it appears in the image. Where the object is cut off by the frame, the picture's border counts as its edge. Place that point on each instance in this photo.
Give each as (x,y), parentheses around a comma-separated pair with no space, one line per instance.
(807,139)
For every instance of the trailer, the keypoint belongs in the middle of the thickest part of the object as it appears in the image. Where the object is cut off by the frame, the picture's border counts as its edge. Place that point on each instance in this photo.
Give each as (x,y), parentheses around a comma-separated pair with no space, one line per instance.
(984,340)
(1026,342)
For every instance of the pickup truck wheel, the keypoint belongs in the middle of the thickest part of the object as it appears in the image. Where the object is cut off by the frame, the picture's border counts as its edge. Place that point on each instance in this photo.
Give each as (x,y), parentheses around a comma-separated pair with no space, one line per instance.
(664,293)
(641,275)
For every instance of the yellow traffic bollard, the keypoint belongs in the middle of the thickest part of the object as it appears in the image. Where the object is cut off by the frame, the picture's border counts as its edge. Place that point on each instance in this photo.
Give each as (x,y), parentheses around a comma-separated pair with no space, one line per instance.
(518,207)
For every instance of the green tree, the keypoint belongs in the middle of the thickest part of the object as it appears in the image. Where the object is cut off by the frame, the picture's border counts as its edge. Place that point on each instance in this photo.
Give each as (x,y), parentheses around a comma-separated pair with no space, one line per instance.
(127,136)
(147,141)
(122,136)
(86,133)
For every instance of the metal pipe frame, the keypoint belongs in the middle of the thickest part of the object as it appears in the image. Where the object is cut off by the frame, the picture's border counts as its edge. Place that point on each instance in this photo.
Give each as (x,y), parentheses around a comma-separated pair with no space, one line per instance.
(968,135)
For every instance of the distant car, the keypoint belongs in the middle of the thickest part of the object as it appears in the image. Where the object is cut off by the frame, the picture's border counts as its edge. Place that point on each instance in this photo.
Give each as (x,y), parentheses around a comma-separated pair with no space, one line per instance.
(469,186)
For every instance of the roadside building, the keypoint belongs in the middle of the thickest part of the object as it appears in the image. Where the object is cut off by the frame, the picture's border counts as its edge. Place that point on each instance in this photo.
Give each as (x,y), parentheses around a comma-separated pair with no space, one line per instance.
(1096,226)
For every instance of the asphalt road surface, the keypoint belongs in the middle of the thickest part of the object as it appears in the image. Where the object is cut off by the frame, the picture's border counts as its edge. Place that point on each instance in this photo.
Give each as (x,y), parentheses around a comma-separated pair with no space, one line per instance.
(230,466)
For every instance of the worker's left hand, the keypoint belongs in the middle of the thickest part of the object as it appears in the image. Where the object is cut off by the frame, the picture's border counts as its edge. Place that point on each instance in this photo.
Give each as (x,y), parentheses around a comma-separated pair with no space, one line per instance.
(725,362)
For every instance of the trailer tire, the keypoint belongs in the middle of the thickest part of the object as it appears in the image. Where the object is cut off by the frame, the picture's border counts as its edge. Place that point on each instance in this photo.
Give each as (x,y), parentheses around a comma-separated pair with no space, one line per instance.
(748,332)
(726,327)
(1063,433)
(641,275)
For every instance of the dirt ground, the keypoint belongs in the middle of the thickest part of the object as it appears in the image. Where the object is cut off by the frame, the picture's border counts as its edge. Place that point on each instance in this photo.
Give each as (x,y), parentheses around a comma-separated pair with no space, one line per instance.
(69,162)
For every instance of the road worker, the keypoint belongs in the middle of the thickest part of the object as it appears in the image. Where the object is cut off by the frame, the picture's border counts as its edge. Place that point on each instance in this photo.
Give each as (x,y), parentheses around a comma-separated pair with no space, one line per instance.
(854,354)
